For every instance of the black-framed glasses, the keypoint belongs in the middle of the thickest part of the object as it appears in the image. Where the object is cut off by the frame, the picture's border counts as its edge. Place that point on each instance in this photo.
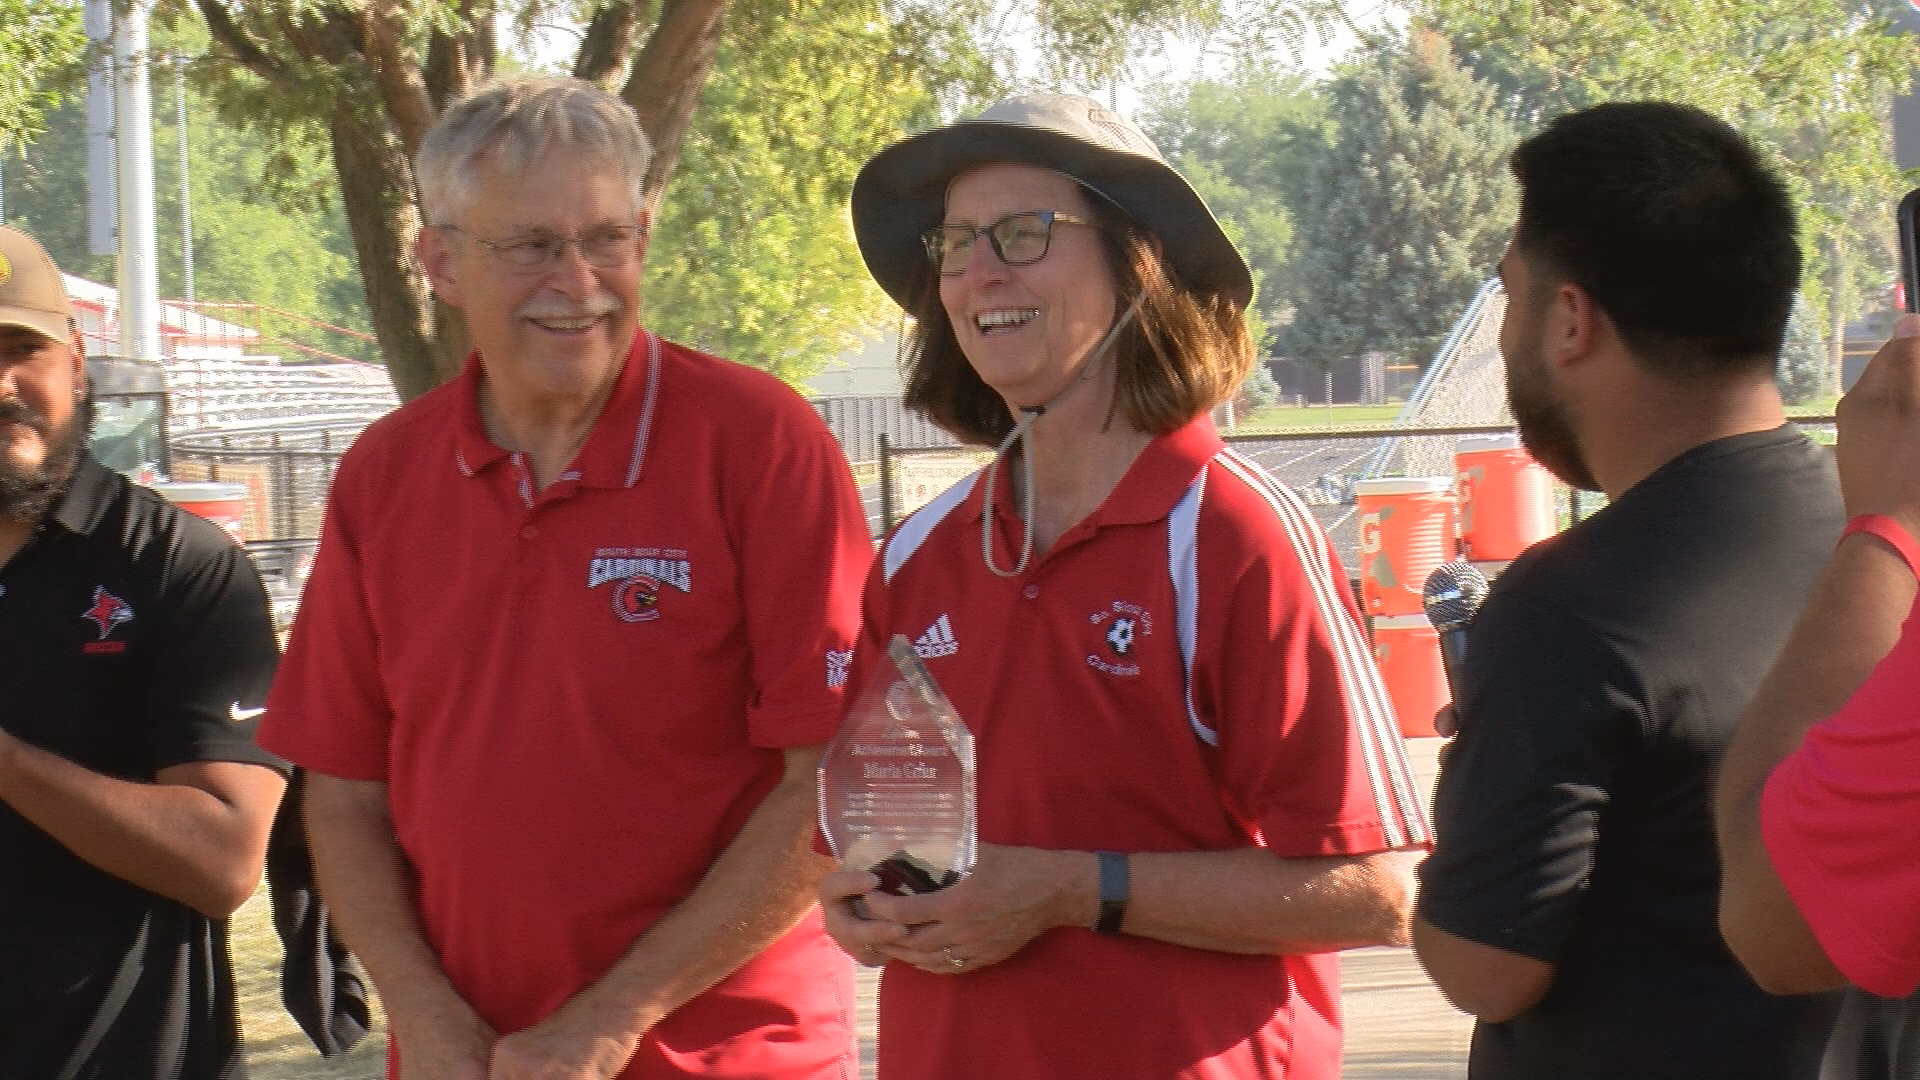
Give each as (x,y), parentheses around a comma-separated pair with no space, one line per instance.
(1018,239)
(601,245)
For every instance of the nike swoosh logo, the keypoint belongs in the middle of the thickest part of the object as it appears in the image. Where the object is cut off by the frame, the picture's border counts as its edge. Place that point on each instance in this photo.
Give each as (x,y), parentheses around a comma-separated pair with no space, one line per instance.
(237,714)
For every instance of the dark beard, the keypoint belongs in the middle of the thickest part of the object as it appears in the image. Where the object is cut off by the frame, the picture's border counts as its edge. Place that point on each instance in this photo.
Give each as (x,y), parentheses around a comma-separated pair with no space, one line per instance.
(1545,430)
(1547,435)
(27,495)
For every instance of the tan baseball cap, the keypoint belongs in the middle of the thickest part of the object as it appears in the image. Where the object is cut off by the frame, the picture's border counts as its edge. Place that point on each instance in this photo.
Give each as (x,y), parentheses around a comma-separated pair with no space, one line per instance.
(32,293)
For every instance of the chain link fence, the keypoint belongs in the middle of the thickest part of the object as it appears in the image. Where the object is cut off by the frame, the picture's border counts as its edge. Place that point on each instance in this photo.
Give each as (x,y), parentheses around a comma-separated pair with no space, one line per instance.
(1321,466)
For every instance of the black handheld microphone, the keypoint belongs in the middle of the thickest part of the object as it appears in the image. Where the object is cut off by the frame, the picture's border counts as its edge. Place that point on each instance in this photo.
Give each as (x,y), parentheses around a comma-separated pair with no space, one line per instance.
(1452,597)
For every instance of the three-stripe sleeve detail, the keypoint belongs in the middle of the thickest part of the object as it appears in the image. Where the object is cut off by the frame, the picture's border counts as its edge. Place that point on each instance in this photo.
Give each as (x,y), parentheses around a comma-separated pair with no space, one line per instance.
(1369,709)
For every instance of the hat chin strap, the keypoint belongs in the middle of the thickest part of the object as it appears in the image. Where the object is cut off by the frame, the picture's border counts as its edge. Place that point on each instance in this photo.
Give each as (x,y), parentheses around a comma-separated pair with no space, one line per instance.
(1029,414)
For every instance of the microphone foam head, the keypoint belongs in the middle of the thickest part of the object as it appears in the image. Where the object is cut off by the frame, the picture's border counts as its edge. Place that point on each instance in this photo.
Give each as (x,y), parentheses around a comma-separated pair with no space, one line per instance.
(1453,593)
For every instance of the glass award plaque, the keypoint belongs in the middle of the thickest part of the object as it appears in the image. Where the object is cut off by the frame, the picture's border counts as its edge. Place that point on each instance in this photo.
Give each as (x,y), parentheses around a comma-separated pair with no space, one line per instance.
(896,783)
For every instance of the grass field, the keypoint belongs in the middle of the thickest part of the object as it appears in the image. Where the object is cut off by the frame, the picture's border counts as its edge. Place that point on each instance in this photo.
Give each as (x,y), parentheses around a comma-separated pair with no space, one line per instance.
(276,1048)
(1289,417)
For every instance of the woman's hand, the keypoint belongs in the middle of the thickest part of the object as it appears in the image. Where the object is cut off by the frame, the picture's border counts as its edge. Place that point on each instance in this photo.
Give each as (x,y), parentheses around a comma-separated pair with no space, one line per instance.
(845,901)
(1013,895)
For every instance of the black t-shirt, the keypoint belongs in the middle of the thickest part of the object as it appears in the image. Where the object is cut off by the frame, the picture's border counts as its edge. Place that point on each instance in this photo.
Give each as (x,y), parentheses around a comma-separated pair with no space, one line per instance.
(1573,816)
(136,637)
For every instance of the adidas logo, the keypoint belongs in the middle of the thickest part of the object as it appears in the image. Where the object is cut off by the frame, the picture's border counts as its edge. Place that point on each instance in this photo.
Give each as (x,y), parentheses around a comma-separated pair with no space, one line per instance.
(937,641)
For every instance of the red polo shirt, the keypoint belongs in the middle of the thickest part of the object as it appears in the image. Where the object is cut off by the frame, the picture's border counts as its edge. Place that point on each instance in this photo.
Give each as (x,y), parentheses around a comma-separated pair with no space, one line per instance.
(578,695)
(1182,671)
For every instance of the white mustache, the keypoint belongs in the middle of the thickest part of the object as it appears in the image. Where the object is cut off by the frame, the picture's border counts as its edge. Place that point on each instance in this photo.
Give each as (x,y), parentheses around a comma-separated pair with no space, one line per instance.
(591,308)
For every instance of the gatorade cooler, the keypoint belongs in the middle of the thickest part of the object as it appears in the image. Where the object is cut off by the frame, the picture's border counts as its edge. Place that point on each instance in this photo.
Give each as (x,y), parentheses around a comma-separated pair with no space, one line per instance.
(1506,497)
(1407,650)
(1406,529)
(223,504)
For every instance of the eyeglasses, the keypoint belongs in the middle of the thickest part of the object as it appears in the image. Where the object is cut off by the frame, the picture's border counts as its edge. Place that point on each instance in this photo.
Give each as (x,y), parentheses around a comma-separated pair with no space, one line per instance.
(1018,239)
(600,245)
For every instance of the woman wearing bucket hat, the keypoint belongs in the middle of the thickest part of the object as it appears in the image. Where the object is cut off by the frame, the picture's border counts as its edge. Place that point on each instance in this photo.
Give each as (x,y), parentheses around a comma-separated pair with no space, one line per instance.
(1190,786)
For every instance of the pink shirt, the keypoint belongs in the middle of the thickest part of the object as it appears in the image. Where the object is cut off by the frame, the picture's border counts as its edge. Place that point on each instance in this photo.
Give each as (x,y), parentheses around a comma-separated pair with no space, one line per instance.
(1840,817)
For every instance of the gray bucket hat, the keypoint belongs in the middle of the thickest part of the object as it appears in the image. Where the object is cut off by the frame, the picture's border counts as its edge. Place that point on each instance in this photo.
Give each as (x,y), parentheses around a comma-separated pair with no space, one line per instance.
(902,192)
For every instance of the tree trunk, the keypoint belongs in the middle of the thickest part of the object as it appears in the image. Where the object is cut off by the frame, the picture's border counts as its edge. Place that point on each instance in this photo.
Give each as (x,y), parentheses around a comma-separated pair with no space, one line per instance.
(376,189)
(668,75)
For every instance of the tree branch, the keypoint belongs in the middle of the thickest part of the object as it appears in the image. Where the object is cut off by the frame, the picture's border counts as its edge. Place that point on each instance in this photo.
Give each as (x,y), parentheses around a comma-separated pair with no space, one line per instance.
(667,77)
(456,63)
(609,39)
(228,33)
(396,72)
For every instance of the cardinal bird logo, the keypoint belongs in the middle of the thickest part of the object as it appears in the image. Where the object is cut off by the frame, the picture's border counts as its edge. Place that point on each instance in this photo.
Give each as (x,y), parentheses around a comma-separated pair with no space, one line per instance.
(637,599)
(107,612)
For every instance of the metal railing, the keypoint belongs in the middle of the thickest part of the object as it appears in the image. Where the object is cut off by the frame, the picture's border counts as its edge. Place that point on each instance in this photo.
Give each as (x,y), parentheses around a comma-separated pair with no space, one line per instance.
(1320,465)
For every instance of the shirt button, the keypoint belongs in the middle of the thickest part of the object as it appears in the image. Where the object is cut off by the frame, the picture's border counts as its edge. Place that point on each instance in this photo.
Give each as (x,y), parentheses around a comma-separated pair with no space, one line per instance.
(528,532)
(1031,592)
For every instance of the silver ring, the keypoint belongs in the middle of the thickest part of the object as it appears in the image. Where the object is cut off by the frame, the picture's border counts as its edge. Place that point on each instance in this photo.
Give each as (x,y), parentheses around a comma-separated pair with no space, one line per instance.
(953,961)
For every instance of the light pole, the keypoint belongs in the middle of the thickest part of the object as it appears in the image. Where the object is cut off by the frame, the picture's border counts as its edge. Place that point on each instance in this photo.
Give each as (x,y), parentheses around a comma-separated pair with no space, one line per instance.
(186,199)
(133,153)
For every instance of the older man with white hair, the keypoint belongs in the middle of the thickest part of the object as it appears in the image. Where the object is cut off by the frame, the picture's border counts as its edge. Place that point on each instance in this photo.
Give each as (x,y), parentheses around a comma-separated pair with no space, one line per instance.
(574,635)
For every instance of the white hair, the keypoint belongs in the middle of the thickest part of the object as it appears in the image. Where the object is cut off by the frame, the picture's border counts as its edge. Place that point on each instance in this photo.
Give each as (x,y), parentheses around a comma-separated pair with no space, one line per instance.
(513,123)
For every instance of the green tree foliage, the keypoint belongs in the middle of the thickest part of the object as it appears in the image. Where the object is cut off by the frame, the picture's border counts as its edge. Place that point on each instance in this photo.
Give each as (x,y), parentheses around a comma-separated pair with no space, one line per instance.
(809,88)
(40,42)
(1090,43)
(267,225)
(753,257)
(1803,371)
(1249,143)
(1407,213)
(772,104)
(1809,80)
(1261,389)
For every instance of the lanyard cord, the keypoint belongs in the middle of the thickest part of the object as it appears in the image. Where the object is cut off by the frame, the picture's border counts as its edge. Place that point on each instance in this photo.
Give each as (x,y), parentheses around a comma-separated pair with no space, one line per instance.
(1028,415)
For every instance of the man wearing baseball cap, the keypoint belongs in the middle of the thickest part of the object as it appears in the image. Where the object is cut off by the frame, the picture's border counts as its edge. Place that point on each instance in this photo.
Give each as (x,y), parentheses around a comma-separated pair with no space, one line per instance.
(134,804)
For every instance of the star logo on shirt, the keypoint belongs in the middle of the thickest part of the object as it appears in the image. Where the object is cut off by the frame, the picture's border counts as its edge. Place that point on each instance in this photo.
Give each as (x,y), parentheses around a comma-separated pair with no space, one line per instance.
(107,612)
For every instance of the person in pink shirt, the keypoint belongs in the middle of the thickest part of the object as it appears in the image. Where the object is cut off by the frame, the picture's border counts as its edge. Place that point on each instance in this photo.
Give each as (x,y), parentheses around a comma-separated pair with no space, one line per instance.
(1819,803)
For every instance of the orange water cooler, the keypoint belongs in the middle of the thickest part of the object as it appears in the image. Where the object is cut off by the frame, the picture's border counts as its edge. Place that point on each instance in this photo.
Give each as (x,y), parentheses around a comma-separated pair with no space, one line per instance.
(1506,498)
(1406,648)
(1406,529)
(221,503)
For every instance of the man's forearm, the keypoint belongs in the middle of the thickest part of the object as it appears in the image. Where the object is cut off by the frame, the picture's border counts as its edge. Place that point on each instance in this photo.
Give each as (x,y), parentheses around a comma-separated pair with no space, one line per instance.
(367,883)
(1852,619)
(198,835)
(1250,901)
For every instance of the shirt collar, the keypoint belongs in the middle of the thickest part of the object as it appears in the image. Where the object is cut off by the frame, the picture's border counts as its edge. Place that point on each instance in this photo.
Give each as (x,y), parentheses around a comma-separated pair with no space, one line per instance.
(87,498)
(617,447)
(1156,480)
